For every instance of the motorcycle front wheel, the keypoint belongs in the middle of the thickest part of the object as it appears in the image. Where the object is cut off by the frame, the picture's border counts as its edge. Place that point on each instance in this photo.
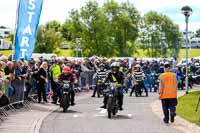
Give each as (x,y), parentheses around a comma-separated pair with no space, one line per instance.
(137,93)
(65,102)
(109,107)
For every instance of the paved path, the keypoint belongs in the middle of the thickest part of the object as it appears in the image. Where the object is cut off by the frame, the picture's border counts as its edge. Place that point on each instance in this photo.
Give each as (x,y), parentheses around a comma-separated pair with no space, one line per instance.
(29,120)
(180,123)
(86,117)
(140,115)
(26,120)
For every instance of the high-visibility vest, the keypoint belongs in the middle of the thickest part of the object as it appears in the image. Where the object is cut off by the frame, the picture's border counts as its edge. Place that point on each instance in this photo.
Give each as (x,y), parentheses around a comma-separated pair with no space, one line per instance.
(115,80)
(56,71)
(168,85)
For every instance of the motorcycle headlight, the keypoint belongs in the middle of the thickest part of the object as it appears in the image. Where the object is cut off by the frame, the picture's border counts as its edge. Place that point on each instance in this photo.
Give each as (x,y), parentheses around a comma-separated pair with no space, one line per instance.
(66,85)
(112,88)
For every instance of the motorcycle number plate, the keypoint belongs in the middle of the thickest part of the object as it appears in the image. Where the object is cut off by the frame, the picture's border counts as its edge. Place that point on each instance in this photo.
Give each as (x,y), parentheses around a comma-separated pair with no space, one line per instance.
(65,85)
(65,92)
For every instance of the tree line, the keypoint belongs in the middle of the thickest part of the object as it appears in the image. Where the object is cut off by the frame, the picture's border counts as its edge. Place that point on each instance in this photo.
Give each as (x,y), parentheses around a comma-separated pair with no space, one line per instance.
(112,29)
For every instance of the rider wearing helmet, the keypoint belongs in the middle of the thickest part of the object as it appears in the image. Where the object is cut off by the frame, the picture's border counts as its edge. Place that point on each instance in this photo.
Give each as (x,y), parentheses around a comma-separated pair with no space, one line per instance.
(116,76)
(55,71)
(139,78)
(99,76)
(68,75)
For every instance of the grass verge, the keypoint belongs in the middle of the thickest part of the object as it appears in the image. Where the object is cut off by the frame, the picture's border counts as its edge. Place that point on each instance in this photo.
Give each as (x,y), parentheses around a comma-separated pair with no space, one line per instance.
(187,105)
(69,53)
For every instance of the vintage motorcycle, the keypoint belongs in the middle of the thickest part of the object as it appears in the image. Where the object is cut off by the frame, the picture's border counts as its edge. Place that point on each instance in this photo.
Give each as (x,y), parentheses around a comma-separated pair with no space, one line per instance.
(100,87)
(112,105)
(65,97)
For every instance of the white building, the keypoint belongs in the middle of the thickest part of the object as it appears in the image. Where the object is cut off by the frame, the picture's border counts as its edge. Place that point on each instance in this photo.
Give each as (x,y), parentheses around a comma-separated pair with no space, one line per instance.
(5,44)
(5,32)
(195,42)
(190,37)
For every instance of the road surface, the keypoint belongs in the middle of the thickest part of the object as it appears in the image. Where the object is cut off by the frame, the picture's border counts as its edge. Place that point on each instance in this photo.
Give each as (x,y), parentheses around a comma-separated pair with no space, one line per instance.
(87,117)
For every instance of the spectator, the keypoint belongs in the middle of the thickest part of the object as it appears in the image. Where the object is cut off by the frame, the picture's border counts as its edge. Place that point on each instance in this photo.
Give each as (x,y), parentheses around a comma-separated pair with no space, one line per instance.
(42,78)
(3,99)
(9,68)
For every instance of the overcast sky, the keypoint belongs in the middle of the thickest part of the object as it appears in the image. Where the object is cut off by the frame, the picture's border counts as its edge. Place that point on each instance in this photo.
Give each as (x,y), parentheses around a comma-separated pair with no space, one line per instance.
(58,10)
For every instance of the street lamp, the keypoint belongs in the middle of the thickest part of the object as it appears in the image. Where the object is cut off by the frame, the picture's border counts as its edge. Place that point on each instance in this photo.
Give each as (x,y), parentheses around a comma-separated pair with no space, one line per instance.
(163,44)
(187,11)
(78,47)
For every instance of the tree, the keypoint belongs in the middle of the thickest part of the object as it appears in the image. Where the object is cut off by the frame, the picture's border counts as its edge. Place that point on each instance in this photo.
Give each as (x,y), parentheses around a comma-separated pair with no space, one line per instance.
(65,30)
(198,33)
(11,37)
(48,40)
(54,25)
(110,30)
(161,35)
(124,25)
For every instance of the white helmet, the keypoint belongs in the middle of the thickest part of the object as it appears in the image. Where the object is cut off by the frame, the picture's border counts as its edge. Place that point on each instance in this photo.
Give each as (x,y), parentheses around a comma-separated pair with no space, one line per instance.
(137,66)
(196,64)
(183,64)
(115,64)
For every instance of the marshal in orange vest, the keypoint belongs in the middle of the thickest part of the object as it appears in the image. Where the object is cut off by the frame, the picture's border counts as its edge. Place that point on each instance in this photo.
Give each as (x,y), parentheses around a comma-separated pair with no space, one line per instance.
(168,88)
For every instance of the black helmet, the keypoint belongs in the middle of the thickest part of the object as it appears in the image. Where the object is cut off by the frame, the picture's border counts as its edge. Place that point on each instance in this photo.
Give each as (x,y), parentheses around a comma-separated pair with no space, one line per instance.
(167,65)
(101,65)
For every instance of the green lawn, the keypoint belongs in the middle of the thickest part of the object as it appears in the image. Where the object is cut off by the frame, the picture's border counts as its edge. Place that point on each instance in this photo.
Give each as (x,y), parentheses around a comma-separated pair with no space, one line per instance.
(191,53)
(187,105)
(66,53)
(6,52)
(69,53)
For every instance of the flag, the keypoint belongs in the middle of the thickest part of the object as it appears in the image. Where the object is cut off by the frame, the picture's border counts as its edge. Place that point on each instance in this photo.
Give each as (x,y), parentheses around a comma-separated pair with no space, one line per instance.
(26,30)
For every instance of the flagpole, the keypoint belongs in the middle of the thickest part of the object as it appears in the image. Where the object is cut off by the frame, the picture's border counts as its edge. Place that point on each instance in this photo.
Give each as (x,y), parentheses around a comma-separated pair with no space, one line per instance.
(16,20)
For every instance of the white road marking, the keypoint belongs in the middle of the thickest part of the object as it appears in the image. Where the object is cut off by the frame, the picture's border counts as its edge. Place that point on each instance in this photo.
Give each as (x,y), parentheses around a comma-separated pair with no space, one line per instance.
(98,108)
(103,111)
(129,115)
(75,116)
(98,115)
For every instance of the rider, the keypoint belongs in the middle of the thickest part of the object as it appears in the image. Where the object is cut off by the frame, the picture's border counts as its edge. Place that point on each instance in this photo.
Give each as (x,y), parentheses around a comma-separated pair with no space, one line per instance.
(139,77)
(180,77)
(115,76)
(69,76)
(55,71)
(101,74)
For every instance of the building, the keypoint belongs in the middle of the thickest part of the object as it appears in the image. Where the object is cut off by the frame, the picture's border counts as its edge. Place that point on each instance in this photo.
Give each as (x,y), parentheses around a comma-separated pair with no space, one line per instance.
(5,44)
(5,32)
(190,37)
(195,42)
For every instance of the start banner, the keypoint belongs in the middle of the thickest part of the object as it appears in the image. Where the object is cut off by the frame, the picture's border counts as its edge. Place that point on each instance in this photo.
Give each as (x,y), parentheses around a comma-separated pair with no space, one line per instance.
(26,30)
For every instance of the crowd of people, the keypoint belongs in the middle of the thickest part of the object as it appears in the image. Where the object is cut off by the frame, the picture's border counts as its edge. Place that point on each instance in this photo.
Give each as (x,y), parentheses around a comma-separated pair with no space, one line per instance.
(20,79)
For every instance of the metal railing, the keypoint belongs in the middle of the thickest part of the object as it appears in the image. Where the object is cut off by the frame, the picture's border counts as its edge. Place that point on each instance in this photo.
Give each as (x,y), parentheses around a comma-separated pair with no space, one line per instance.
(19,93)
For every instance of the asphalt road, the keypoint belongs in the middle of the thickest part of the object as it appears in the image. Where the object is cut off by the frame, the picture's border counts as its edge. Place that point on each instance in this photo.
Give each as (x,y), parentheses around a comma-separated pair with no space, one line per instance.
(87,117)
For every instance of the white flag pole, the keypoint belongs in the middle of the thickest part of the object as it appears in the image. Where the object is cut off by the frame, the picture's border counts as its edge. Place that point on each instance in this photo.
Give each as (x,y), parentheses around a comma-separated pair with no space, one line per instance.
(14,37)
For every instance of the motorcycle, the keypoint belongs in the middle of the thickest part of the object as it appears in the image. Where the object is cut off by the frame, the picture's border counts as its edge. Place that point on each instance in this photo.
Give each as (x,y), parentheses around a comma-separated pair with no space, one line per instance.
(139,89)
(100,87)
(190,81)
(112,105)
(65,97)
(155,81)
(196,79)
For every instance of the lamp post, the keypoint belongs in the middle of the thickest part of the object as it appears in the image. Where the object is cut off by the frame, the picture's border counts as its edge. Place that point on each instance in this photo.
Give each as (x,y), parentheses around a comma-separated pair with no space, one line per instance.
(163,44)
(78,47)
(187,11)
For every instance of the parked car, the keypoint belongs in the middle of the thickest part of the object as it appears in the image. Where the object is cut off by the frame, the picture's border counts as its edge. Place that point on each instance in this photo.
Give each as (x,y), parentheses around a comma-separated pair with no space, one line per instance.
(195,43)
(5,44)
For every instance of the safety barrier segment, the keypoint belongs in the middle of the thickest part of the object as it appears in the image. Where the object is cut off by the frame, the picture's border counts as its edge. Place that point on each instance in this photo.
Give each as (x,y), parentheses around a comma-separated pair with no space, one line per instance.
(12,107)
(15,92)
